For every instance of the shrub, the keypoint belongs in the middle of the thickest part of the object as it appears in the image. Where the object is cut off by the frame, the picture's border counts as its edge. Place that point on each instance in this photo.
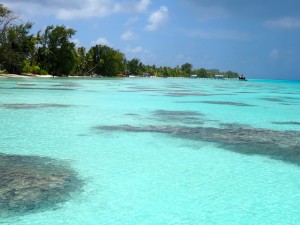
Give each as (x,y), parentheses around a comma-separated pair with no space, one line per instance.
(35,69)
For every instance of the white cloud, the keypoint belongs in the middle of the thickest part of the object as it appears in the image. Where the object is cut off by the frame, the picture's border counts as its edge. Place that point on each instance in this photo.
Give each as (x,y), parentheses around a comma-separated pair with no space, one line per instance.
(46,3)
(117,8)
(77,9)
(221,34)
(141,53)
(284,23)
(135,50)
(129,35)
(101,41)
(94,8)
(208,13)
(132,6)
(142,5)
(157,18)
(76,42)
(131,21)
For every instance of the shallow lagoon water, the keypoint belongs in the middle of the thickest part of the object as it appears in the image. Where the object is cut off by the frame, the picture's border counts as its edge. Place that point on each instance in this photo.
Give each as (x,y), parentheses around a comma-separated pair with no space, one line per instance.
(160,151)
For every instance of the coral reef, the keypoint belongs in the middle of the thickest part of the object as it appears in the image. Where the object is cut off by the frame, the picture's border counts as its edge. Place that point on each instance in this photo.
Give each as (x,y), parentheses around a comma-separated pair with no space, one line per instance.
(31,106)
(32,183)
(280,145)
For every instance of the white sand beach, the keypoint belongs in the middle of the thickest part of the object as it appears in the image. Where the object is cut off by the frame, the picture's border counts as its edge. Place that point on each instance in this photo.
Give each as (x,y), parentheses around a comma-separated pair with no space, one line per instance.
(24,76)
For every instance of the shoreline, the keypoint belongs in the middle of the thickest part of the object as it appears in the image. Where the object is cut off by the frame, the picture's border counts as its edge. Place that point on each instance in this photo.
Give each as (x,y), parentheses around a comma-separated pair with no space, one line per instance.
(25,76)
(135,76)
(37,76)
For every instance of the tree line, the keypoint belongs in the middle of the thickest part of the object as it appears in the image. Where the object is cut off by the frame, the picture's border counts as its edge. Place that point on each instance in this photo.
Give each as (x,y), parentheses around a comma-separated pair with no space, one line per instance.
(52,52)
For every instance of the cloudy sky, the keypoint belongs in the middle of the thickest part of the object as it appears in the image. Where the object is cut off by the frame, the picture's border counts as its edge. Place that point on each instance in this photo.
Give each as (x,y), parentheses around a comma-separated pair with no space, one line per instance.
(260,39)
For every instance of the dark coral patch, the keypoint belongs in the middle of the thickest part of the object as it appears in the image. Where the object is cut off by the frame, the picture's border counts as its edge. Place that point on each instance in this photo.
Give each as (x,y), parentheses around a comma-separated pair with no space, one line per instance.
(32,184)
(131,114)
(185,93)
(68,84)
(226,103)
(280,145)
(272,99)
(31,106)
(141,88)
(44,88)
(176,113)
(186,117)
(287,123)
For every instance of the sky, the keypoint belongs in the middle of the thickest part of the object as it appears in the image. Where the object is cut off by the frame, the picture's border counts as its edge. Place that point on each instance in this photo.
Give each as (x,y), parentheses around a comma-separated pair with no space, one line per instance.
(260,39)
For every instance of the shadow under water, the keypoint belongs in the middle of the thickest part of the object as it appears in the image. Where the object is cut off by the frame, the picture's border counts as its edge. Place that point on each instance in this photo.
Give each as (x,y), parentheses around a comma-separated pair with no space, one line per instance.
(287,123)
(279,145)
(31,106)
(226,103)
(186,117)
(32,184)
(45,88)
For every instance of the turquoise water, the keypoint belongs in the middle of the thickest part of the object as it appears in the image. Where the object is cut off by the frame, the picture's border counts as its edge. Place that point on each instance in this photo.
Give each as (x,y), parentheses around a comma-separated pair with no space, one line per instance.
(161,151)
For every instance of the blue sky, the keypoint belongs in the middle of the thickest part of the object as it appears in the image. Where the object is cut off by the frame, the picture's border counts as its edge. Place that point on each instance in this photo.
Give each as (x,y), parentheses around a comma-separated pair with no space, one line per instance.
(260,39)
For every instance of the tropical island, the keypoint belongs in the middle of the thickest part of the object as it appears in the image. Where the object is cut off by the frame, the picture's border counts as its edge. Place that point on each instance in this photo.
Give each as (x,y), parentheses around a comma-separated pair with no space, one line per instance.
(52,52)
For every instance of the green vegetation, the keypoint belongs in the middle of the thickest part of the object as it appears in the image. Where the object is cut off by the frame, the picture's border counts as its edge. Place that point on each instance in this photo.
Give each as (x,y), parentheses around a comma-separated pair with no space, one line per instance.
(52,52)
